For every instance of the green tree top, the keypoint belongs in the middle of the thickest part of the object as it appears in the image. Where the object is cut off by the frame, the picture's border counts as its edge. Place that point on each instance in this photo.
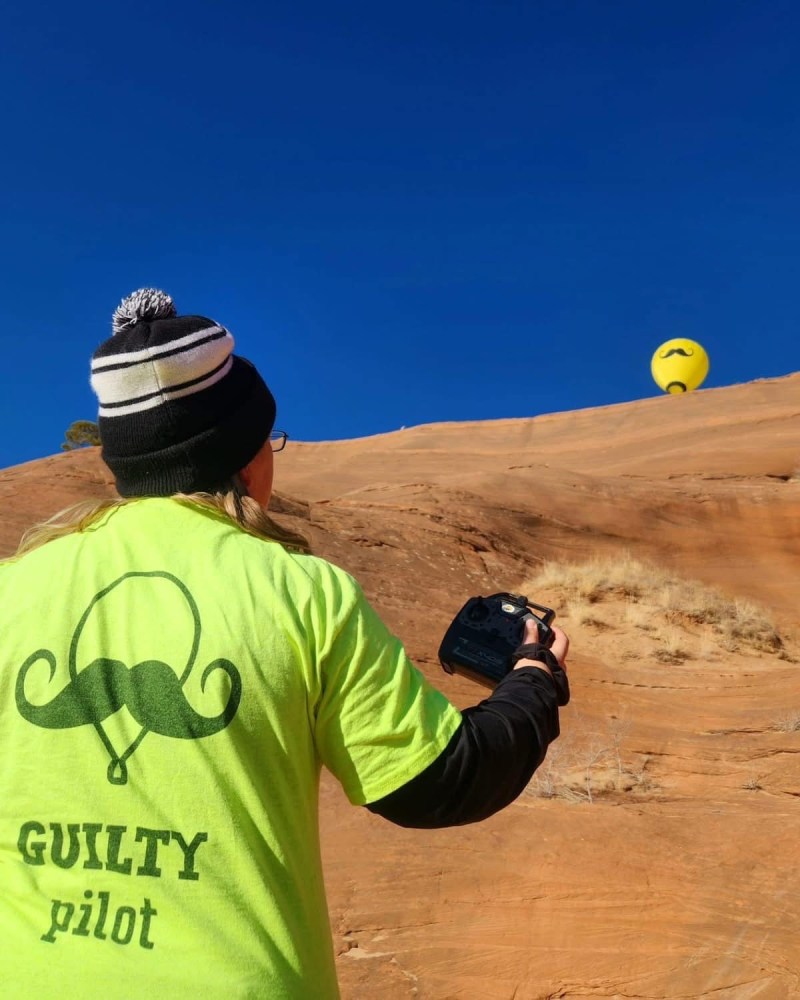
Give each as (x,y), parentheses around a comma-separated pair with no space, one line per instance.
(81,434)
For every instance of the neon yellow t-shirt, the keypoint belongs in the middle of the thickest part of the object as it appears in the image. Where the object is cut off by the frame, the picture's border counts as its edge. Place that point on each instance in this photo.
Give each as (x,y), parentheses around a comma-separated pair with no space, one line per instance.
(169,689)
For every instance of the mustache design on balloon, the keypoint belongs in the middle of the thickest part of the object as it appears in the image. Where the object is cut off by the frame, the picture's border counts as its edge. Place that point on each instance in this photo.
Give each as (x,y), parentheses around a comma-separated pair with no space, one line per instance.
(151,691)
(677,350)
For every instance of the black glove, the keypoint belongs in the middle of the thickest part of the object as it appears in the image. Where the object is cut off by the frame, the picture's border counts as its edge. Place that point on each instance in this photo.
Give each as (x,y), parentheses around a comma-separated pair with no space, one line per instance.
(536,651)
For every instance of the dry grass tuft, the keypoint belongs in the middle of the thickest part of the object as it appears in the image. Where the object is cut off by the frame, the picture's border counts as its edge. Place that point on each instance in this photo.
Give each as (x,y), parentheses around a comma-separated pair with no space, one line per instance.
(657,603)
(599,579)
(640,613)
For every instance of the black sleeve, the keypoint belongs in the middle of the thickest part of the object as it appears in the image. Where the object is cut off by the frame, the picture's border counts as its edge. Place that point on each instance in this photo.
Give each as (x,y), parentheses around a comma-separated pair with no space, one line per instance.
(489,760)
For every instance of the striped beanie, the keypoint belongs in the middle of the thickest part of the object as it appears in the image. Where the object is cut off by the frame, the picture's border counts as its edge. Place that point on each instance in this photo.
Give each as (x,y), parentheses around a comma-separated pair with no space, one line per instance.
(179,412)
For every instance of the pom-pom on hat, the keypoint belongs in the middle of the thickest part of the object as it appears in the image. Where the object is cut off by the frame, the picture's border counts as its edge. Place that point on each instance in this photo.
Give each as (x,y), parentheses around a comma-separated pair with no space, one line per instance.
(179,411)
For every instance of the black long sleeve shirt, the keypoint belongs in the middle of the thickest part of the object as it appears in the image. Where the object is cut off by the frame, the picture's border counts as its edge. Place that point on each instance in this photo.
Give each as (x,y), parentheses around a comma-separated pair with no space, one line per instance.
(488,761)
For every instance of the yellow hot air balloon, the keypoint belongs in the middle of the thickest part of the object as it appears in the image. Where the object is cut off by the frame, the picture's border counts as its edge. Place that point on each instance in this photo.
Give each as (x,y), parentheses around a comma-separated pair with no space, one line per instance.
(679,365)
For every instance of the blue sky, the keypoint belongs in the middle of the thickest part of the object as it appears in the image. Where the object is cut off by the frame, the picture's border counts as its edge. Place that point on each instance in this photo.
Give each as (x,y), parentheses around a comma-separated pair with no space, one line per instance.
(405,213)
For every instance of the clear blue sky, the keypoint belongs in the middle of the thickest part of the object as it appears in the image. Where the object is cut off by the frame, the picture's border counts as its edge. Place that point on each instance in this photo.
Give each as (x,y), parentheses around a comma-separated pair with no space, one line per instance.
(407,212)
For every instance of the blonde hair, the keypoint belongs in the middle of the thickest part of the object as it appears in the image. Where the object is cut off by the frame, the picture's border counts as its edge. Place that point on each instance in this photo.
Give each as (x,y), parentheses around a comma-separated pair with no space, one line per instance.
(239,508)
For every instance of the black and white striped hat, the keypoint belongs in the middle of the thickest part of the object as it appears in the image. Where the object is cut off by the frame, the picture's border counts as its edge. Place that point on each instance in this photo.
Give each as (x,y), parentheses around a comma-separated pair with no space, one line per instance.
(179,411)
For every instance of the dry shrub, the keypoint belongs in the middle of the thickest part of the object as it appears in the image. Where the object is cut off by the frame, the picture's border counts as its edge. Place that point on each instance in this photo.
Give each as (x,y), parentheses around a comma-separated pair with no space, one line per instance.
(584,612)
(737,622)
(639,616)
(591,765)
(788,723)
(671,649)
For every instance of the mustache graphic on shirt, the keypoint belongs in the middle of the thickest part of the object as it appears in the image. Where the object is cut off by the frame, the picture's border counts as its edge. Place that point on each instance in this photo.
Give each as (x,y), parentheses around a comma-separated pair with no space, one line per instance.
(676,350)
(151,691)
